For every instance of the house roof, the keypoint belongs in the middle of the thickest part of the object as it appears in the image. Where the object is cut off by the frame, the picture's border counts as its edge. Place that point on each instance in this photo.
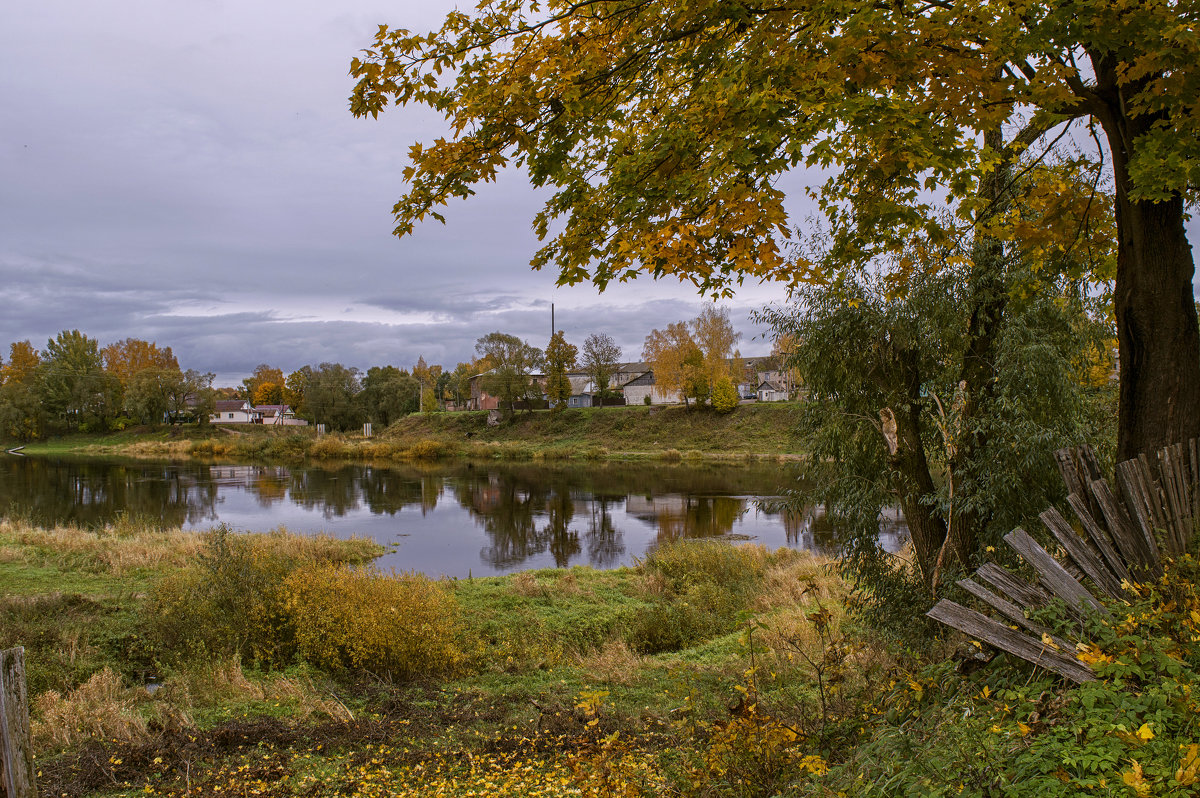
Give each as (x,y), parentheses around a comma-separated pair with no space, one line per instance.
(644,379)
(231,405)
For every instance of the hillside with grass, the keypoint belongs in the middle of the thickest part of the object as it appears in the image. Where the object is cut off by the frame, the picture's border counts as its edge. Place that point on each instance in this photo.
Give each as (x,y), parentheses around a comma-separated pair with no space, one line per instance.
(666,433)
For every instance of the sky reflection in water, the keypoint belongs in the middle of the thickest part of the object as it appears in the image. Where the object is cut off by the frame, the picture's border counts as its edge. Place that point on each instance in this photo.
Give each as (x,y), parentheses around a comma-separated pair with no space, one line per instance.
(449,519)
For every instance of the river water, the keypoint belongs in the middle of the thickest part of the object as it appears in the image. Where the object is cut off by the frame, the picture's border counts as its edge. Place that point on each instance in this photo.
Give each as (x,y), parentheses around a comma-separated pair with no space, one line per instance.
(442,519)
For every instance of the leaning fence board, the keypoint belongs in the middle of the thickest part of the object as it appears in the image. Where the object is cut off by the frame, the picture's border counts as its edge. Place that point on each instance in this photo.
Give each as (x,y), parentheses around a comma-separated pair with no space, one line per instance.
(1079,468)
(1010,611)
(1053,575)
(16,752)
(1121,537)
(1138,501)
(1176,490)
(1088,559)
(1023,593)
(1130,542)
(978,625)
(1100,537)
(1193,448)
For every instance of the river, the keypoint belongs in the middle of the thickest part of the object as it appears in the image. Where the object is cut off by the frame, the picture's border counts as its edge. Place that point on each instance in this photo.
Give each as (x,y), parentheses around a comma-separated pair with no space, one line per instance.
(442,519)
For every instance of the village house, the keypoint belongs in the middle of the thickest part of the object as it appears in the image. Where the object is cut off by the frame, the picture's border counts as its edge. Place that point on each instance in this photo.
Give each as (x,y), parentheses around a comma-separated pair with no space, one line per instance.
(279,416)
(233,411)
(240,411)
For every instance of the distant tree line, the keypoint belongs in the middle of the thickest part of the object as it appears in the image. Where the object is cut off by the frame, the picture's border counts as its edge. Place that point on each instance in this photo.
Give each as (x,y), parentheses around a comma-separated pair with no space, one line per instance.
(76,385)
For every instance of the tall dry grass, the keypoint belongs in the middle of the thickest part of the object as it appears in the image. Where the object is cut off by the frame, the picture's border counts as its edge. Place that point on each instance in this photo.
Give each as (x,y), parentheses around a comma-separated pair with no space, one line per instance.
(116,549)
(128,545)
(100,708)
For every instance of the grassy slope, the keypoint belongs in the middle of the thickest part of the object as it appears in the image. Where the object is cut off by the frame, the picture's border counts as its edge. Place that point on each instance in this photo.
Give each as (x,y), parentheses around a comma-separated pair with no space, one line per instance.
(753,428)
(763,430)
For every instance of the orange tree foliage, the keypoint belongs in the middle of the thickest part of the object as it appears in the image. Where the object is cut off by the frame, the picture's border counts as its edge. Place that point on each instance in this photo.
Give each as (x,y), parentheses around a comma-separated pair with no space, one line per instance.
(23,359)
(664,127)
(667,353)
(125,358)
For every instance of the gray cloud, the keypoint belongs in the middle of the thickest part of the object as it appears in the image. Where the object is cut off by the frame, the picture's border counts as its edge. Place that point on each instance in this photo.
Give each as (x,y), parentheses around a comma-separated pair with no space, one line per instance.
(190,174)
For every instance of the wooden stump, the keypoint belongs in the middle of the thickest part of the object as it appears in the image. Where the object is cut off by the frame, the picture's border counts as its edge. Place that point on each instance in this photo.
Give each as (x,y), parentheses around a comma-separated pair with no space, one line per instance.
(16,751)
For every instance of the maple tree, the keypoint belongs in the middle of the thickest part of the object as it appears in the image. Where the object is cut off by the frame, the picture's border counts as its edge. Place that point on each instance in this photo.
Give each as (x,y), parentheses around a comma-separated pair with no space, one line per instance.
(126,358)
(664,129)
(268,393)
(23,360)
(262,374)
(667,352)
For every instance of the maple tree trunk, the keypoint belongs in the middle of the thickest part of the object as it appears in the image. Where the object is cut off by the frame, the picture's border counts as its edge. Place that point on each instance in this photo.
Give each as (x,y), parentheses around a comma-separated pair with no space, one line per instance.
(1157,338)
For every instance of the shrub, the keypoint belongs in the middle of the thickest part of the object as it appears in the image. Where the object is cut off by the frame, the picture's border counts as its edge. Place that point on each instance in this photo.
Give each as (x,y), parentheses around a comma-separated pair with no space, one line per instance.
(725,396)
(291,447)
(328,447)
(427,449)
(672,456)
(397,625)
(230,602)
(700,588)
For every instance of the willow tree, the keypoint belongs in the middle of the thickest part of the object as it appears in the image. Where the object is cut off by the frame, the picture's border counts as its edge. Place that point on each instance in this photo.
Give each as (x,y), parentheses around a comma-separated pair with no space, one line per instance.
(664,128)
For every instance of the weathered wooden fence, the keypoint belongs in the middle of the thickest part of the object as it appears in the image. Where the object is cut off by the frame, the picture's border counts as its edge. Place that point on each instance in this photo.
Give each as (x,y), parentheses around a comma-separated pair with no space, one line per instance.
(1117,538)
(16,753)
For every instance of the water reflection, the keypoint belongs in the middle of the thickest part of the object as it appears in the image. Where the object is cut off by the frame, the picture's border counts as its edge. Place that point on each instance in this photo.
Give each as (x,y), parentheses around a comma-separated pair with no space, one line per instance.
(452,519)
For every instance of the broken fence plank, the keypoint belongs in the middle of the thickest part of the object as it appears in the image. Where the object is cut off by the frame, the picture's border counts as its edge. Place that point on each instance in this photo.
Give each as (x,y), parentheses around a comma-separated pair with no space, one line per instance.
(1130,542)
(1100,537)
(1177,490)
(1139,499)
(1068,467)
(1053,575)
(978,626)
(1029,596)
(1087,558)
(1010,611)
(1194,475)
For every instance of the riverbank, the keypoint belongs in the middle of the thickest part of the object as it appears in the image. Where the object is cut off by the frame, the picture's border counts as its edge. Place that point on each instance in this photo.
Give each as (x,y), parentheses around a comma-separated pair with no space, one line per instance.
(556,682)
(671,434)
(167,663)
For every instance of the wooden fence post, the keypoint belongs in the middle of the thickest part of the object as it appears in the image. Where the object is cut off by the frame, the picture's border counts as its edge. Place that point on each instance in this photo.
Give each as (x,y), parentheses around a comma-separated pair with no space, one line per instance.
(16,750)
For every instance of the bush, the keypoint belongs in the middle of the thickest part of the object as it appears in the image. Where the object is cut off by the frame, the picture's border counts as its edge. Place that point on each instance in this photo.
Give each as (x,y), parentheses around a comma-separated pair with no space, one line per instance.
(427,449)
(328,447)
(397,625)
(701,587)
(725,397)
(231,602)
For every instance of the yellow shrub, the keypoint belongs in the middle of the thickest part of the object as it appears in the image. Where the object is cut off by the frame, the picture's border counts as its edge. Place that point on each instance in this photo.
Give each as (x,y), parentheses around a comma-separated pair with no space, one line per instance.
(397,625)
(427,449)
(328,447)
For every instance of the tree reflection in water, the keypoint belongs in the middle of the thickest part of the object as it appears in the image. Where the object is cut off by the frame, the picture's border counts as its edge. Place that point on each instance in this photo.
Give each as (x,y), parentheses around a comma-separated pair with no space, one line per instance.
(512,514)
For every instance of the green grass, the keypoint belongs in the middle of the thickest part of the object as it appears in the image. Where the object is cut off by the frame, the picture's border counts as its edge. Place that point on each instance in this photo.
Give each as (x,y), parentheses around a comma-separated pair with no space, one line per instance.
(549,672)
(661,433)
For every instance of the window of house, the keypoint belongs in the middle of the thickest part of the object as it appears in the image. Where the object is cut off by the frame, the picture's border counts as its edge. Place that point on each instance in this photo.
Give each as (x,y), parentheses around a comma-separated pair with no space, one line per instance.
(231,415)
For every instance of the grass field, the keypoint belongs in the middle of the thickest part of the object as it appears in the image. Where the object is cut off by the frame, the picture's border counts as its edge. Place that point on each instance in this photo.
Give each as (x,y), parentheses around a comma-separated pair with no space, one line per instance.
(667,433)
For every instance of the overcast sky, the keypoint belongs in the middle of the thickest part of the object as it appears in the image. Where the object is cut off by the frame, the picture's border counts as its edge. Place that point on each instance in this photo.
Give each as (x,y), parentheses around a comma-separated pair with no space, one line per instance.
(189,173)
